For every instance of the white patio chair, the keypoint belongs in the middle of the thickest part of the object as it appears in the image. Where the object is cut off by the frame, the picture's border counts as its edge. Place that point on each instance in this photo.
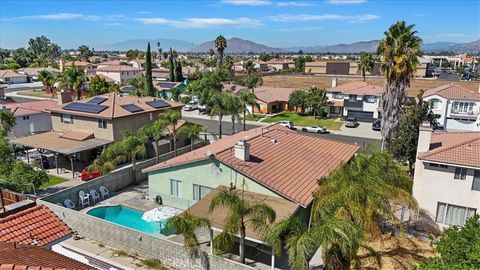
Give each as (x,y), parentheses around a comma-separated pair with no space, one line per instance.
(84,198)
(104,192)
(95,196)
(69,204)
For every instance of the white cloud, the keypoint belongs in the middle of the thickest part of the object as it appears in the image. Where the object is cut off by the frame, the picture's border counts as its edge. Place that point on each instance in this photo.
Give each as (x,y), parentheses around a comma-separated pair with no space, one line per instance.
(346,2)
(203,23)
(323,17)
(69,16)
(113,24)
(143,12)
(247,2)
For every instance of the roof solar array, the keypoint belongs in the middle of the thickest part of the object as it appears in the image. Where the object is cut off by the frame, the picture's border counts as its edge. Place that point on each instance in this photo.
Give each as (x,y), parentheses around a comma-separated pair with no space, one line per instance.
(132,108)
(157,104)
(167,84)
(84,107)
(96,100)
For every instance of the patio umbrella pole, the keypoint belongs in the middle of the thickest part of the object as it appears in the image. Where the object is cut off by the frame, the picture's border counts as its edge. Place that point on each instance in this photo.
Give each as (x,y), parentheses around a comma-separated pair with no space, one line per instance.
(71,164)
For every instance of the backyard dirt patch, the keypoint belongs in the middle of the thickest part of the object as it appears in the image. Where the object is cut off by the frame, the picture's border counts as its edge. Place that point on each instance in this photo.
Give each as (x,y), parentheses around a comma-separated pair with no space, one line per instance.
(305,81)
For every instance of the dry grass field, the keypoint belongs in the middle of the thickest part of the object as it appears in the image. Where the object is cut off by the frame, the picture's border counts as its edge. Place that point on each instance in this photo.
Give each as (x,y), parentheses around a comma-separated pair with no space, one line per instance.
(306,81)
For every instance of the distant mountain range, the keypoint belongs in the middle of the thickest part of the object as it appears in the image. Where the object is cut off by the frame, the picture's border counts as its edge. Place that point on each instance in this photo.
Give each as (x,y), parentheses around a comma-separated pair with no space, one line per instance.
(238,45)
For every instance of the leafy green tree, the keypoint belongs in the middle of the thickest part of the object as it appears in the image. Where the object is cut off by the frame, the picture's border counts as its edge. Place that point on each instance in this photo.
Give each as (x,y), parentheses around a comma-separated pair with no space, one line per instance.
(366,63)
(171,118)
(73,79)
(398,52)
(98,86)
(241,213)
(22,57)
(7,122)
(264,57)
(299,63)
(22,176)
(192,131)
(316,99)
(220,45)
(298,99)
(4,55)
(178,71)
(458,248)
(206,86)
(247,98)
(11,65)
(138,85)
(155,132)
(39,45)
(404,146)
(84,52)
(6,154)
(151,91)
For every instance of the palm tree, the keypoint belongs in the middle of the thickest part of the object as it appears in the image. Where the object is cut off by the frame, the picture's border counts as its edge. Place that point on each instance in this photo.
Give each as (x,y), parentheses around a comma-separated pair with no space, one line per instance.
(234,107)
(154,131)
(241,213)
(220,45)
(171,118)
(249,67)
(48,80)
(186,224)
(138,86)
(247,98)
(7,122)
(229,65)
(366,64)
(73,79)
(398,51)
(192,131)
(217,106)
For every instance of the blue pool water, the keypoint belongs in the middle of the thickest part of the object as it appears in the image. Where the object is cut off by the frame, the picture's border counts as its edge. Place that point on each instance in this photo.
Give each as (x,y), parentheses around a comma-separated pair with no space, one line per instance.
(130,218)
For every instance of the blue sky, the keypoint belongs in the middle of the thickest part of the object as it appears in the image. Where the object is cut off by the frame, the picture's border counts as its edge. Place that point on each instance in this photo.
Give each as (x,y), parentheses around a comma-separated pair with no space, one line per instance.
(274,23)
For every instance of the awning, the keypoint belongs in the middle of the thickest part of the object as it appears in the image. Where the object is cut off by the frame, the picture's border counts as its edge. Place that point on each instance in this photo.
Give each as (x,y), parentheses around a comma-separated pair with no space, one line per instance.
(283,209)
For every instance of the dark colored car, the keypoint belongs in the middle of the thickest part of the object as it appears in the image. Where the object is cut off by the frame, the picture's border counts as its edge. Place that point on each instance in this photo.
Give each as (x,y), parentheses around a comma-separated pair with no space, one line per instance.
(377,124)
(42,161)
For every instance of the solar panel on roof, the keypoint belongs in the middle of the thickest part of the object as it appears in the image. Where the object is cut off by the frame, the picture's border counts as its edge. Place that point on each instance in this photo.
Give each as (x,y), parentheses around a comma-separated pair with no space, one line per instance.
(96,100)
(84,107)
(158,104)
(132,108)
(167,84)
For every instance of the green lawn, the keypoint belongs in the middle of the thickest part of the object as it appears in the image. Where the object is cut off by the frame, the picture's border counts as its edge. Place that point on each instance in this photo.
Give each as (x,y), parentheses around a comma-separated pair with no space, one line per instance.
(305,121)
(52,180)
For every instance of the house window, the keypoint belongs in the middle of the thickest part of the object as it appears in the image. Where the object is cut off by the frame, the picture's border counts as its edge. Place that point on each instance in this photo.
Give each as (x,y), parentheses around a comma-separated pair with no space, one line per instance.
(462,107)
(450,214)
(460,173)
(352,97)
(436,165)
(66,118)
(175,188)
(102,123)
(370,99)
(200,191)
(435,103)
(476,180)
(26,117)
(337,95)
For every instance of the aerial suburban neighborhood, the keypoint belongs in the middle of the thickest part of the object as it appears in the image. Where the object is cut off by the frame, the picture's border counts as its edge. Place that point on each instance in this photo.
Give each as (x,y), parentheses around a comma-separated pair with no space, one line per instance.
(239,134)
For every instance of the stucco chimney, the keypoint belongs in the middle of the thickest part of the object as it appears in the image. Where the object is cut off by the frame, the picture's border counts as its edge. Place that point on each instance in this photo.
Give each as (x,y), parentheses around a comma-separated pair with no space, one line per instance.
(334,82)
(242,150)
(64,97)
(424,137)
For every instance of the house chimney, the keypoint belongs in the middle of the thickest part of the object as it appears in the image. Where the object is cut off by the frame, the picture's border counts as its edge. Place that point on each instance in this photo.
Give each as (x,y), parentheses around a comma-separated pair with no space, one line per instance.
(242,150)
(334,82)
(424,137)
(64,97)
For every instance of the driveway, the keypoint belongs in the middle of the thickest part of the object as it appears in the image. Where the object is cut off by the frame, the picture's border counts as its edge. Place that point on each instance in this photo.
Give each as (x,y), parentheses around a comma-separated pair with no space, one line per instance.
(363,130)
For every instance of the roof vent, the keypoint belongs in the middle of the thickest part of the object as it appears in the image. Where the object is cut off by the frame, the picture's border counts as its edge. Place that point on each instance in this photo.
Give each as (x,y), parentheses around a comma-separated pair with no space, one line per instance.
(274,141)
(242,150)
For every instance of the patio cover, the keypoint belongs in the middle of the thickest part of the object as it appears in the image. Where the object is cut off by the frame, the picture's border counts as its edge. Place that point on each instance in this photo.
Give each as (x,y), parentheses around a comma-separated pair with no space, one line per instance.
(59,143)
(283,209)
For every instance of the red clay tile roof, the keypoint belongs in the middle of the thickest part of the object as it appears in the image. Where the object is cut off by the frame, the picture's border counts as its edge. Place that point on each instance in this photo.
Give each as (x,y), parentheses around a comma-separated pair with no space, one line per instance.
(453,91)
(6,73)
(118,68)
(28,257)
(457,148)
(271,94)
(358,88)
(33,107)
(289,167)
(77,135)
(78,64)
(34,224)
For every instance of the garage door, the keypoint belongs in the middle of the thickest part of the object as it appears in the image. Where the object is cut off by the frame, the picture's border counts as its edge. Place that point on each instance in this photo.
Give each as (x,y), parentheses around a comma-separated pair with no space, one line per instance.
(361,116)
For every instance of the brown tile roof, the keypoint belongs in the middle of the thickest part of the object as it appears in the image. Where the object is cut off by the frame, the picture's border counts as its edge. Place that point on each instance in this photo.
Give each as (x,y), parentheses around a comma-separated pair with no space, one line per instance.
(290,167)
(78,64)
(283,209)
(114,103)
(6,73)
(118,68)
(453,91)
(35,71)
(28,257)
(34,224)
(77,135)
(279,61)
(271,94)
(112,63)
(457,148)
(358,88)
(27,108)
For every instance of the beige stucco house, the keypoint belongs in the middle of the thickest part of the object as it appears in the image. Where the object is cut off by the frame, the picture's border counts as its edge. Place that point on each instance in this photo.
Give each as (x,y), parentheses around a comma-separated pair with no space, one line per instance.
(121,73)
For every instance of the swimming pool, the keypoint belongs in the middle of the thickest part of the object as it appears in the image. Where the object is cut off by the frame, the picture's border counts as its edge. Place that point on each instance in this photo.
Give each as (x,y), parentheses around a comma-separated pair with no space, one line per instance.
(130,218)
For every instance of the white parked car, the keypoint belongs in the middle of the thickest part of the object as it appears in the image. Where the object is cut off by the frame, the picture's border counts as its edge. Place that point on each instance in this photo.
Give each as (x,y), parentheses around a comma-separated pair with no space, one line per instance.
(287,124)
(315,129)
(191,105)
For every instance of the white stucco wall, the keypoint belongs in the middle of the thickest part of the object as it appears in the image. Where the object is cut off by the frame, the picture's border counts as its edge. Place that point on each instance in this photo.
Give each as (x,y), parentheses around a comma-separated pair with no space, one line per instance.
(41,122)
(455,121)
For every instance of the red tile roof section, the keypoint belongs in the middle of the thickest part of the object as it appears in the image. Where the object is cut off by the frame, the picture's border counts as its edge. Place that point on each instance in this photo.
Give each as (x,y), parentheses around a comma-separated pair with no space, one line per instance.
(28,257)
(34,224)
(357,88)
(271,94)
(453,91)
(118,68)
(289,167)
(457,148)
(33,107)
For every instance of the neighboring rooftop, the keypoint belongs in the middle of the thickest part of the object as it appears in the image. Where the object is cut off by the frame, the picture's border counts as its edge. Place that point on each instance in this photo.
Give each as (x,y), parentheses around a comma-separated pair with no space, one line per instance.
(453,91)
(112,63)
(271,94)
(37,225)
(456,148)
(358,88)
(285,161)
(32,107)
(6,73)
(118,68)
(78,64)
(28,257)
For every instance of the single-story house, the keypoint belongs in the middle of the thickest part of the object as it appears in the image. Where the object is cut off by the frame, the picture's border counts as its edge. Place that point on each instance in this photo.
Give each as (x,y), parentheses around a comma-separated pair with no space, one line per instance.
(11,77)
(32,73)
(272,99)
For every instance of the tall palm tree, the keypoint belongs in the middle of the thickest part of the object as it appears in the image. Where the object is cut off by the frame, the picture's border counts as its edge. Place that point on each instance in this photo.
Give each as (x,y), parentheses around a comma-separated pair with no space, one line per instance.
(186,224)
(192,131)
(398,51)
(155,132)
(241,213)
(247,98)
(229,65)
(249,67)
(220,45)
(171,118)
(366,63)
(73,79)
(234,107)
(7,122)
(217,104)
(48,80)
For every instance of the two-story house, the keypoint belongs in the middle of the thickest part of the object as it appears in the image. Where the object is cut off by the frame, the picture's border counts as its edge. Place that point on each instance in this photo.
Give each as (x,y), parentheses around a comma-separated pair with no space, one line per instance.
(121,73)
(447,175)
(355,99)
(456,108)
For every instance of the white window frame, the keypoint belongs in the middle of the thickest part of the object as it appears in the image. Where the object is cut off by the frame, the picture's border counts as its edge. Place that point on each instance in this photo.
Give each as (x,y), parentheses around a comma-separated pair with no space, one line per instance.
(66,118)
(476,180)
(175,188)
(197,192)
(370,99)
(461,174)
(444,212)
